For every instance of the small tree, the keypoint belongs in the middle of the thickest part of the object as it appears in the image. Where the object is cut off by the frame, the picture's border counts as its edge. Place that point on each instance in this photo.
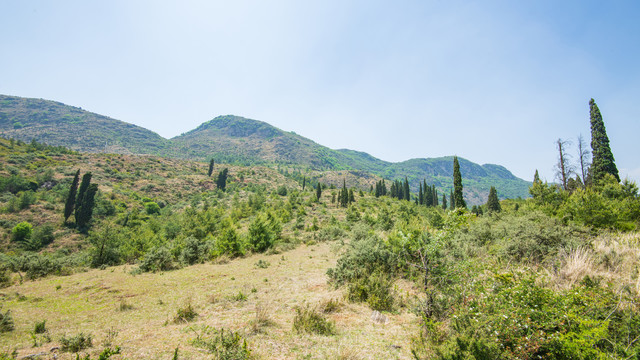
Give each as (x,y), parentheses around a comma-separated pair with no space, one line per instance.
(493,204)
(318,191)
(69,205)
(221,183)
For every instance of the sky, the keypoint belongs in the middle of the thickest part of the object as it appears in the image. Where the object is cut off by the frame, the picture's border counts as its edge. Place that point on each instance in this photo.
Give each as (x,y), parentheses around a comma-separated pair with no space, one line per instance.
(490,81)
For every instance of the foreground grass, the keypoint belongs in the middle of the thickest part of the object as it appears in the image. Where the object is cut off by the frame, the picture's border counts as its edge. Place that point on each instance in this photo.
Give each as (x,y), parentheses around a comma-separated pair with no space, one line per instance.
(142,309)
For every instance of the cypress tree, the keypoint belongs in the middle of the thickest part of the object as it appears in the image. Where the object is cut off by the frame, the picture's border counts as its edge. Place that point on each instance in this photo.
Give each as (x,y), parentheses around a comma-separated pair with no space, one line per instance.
(84,185)
(407,193)
(304,182)
(86,210)
(602,162)
(318,191)
(457,185)
(536,178)
(211,164)
(435,196)
(420,196)
(71,198)
(452,202)
(493,204)
(221,183)
(352,197)
(444,202)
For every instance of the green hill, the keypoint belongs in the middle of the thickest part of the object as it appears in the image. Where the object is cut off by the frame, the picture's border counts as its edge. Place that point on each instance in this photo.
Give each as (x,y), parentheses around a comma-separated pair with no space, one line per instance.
(55,123)
(237,140)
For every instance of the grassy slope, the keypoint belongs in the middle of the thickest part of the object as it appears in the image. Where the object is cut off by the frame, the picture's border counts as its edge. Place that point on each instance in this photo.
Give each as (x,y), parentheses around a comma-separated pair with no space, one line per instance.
(90,302)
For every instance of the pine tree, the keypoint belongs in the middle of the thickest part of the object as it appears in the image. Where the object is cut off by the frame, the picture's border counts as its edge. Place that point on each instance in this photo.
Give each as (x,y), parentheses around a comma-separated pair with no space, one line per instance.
(457,185)
(211,164)
(493,204)
(84,185)
(71,198)
(602,162)
(318,191)
(221,183)
(86,210)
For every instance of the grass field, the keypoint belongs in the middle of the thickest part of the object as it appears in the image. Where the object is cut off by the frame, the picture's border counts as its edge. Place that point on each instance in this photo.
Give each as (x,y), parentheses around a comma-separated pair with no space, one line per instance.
(141,310)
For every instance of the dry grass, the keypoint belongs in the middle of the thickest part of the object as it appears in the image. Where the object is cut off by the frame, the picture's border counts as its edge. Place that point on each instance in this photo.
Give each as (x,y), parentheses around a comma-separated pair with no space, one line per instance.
(613,259)
(89,303)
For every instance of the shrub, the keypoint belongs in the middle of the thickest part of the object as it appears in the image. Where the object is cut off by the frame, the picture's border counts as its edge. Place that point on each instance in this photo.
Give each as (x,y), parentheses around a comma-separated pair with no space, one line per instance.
(223,344)
(43,235)
(152,208)
(22,232)
(330,233)
(194,251)
(157,259)
(40,327)
(282,190)
(6,321)
(310,320)
(36,265)
(186,313)
(262,264)
(361,259)
(76,343)
(229,243)
(263,232)
(375,290)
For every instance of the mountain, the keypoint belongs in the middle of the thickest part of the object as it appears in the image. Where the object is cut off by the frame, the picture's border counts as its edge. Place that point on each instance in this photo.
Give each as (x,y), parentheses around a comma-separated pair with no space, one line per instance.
(55,123)
(234,139)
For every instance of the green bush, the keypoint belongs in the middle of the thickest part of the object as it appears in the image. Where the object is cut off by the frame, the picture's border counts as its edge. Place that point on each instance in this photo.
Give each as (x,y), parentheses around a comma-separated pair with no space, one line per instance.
(361,259)
(263,232)
(229,243)
(185,314)
(223,344)
(194,251)
(157,259)
(40,327)
(310,320)
(375,290)
(21,232)
(152,208)
(76,343)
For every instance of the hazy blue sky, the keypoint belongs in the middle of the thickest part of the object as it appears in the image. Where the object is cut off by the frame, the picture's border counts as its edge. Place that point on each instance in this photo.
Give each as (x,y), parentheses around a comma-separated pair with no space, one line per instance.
(491,81)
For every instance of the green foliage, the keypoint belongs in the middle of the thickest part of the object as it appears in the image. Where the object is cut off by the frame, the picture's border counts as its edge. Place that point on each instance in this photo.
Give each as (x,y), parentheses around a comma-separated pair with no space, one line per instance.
(515,318)
(69,205)
(106,243)
(84,214)
(152,208)
(458,199)
(264,231)
(223,344)
(310,320)
(221,182)
(40,327)
(194,251)
(76,343)
(157,259)
(493,204)
(21,232)
(602,160)
(229,243)
(185,314)
(362,258)
(6,321)
(375,290)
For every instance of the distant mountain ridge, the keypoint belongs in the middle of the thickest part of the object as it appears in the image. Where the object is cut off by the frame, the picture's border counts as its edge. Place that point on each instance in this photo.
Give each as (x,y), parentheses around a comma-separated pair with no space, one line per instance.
(238,140)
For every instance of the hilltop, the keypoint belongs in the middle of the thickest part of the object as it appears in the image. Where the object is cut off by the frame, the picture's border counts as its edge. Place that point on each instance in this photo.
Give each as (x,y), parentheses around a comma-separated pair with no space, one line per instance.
(237,140)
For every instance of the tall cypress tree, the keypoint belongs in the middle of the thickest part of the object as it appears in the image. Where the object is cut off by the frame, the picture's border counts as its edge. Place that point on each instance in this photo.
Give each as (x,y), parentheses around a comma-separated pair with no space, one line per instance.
(435,195)
(211,164)
(86,210)
(452,202)
(69,205)
(221,183)
(536,178)
(493,204)
(407,193)
(84,185)
(318,191)
(444,202)
(420,196)
(304,182)
(603,162)
(457,185)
